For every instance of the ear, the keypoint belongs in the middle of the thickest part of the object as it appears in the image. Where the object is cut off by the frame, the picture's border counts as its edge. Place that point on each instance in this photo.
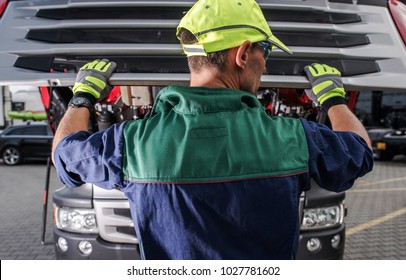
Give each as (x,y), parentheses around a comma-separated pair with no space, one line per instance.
(242,55)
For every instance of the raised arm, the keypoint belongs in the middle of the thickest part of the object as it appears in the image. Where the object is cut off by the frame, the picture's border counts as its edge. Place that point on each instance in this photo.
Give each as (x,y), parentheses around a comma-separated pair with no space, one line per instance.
(342,119)
(75,119)
(327,91)
(91,85)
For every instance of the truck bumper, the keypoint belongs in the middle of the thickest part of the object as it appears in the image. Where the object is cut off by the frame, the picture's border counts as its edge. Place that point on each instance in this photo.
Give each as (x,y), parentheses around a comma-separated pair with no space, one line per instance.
(326,250)
(100,249)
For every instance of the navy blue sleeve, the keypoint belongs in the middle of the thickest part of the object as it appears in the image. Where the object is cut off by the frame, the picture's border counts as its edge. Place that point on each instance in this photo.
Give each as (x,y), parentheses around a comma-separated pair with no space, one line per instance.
(96,158)
(336,159)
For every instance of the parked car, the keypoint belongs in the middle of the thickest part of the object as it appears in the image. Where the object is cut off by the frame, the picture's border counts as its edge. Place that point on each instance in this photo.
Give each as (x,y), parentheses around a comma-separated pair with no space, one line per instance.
(25,141)
(49,40)
(388,142)
(384,115)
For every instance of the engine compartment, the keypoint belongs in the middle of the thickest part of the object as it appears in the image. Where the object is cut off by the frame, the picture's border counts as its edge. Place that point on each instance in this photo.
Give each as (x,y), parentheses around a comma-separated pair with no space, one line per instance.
(135,102)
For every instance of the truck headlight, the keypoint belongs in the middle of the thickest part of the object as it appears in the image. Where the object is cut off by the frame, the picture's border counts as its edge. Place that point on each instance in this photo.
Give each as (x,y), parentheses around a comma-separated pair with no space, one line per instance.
(324,217)
(75,219)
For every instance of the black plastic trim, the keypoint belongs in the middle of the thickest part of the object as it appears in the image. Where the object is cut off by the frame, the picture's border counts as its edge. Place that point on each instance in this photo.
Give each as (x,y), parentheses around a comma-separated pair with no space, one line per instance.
(112,13)
(311,16)
(379,3)
(105,35)
(132,12)
(123,212)
(126,230)
(178,64)
(167,36)
(323,39)
(38,63)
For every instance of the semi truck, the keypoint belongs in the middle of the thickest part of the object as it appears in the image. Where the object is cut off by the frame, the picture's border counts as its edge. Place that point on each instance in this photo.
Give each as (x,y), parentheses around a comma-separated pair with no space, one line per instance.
(44,43)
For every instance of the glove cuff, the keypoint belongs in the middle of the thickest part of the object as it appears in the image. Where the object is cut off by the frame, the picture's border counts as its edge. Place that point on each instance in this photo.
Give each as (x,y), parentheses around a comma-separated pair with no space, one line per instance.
(83,99)
(86,95)
(337,100)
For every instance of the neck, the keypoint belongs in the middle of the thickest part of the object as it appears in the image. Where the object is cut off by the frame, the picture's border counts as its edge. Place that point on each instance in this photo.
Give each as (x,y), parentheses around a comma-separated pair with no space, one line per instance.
(212,79)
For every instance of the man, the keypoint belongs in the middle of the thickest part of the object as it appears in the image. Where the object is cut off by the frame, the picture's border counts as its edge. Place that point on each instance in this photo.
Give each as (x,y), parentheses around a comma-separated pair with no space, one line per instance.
(209,175)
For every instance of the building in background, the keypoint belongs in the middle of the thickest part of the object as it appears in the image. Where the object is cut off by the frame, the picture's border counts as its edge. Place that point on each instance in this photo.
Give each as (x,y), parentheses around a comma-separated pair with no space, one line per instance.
(19,104)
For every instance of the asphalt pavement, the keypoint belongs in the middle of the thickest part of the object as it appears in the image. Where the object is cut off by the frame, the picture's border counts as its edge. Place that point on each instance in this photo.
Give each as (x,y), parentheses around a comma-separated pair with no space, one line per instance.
(376,220)
(21,211)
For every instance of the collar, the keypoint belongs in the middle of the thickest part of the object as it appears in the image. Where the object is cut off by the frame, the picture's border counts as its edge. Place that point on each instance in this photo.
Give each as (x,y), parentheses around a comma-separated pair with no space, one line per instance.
(194,100)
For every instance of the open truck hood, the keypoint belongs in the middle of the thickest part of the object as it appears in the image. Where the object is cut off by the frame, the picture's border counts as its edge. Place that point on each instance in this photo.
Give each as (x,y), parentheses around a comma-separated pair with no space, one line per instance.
(44,43)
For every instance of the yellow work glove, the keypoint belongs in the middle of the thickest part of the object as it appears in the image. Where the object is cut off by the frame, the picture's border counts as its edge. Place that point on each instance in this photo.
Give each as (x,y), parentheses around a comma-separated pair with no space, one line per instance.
(93,79)
(327,86)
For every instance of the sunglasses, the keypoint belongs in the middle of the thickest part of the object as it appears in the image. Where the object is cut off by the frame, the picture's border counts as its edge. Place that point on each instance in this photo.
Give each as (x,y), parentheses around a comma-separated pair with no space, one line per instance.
(266,47)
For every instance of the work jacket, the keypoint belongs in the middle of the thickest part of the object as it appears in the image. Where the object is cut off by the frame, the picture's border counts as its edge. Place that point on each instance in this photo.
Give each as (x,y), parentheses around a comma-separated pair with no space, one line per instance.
(210,175)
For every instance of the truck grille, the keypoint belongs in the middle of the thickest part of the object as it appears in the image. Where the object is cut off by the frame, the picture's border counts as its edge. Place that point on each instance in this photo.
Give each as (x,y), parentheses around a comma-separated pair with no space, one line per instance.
(116,225)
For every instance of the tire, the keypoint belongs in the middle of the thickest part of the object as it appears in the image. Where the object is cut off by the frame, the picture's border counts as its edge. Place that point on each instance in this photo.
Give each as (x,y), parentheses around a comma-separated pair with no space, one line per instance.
(385,156)
(12,155)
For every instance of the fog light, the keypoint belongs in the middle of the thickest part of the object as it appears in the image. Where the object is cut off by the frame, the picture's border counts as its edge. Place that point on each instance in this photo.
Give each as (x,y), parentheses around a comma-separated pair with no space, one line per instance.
(62,244)
(313,245)
(85,247)
(336,241)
